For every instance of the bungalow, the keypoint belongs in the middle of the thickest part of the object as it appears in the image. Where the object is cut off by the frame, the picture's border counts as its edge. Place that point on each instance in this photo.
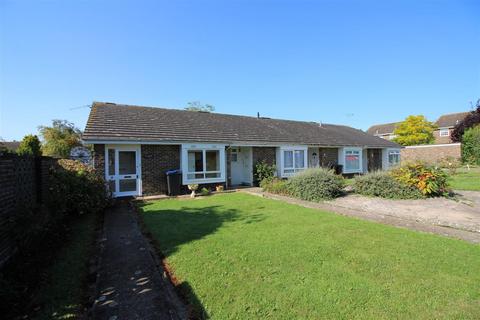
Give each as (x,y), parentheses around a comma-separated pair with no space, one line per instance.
(134,146)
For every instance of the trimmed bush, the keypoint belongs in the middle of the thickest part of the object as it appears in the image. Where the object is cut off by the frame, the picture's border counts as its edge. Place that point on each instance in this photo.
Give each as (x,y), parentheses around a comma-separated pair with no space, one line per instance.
(383,184)
(275,185)
(429,180)
(76,189)
(315,185)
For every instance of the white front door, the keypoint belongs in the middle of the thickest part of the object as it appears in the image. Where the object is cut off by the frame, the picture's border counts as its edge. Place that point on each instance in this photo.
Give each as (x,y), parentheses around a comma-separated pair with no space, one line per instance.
(123,170)
(241,165)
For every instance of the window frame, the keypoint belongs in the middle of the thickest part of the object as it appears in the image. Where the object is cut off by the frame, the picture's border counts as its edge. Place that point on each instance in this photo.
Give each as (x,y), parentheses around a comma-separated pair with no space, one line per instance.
(204,148)
(393,152)
(294,169)
(443,130)
(360,160)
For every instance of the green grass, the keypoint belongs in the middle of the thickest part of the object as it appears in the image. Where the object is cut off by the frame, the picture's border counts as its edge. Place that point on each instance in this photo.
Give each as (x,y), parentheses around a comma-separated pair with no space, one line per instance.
(64,294)
(466,179)
(245,257)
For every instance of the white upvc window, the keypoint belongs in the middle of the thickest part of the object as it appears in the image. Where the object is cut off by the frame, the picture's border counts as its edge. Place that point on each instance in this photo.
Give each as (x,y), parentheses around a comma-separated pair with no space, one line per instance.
(292,160)
(203,163)
(445,132)
(393,157)
(392,136)
(352,160)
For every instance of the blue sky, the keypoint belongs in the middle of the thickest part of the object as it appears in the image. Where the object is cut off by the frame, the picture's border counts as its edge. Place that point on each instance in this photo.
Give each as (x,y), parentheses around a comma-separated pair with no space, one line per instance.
(349,62)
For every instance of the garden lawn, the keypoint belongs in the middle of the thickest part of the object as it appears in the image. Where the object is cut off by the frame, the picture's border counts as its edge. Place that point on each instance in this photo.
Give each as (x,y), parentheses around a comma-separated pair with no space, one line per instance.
(466,179)
(245,257)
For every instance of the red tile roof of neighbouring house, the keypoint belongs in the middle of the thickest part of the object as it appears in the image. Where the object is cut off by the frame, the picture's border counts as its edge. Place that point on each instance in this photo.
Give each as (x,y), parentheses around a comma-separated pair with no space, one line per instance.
(116,122)
(446,120)
(386,128)
(10,145)
(450,120)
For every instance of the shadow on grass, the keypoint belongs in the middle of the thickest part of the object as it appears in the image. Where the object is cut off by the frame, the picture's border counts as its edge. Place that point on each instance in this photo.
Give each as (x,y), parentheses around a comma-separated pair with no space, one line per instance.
(175,227)
(171,228)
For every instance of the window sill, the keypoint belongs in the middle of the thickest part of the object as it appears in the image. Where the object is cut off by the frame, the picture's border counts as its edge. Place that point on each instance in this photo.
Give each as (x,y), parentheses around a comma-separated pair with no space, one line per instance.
(203,181)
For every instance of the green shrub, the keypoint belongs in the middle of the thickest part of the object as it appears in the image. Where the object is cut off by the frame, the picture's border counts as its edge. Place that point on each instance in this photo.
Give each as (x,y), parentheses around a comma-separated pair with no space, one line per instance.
(471,146)
(264,171)
(383,184)
(315,185)
(76,188)
(204,191)
(275,185)
(451,164)
(429,180)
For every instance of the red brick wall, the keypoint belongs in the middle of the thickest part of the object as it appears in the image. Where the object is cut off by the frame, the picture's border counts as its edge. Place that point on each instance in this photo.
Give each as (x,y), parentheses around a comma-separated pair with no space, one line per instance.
(374,159)
(328,156)
(442,140)
(99,159)
(156,159)
(431,153)
(263,153)
(259,154)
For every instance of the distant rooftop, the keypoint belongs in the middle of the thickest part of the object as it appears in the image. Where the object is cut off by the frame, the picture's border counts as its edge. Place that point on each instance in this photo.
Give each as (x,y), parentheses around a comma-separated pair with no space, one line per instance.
(10,145)
(450,120)
(385,128)
(446,120)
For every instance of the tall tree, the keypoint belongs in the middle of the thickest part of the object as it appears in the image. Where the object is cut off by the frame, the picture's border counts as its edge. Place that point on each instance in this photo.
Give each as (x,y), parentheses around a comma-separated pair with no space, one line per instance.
(60,138)
(414,130)
(470,121)
(198,106)
(30,146)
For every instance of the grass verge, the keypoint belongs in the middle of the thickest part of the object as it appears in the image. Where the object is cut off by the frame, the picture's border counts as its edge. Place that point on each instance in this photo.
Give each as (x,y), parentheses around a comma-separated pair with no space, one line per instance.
(465,179)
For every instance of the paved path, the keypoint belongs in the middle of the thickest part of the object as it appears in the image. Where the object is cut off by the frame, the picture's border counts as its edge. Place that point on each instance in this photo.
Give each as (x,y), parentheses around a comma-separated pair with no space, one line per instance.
(131,283)
(441,216)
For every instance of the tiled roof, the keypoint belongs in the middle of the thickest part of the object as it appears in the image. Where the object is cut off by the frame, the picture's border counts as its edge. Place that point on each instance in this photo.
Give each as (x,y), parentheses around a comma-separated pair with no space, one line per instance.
(450,120)
(385,128)
(10,145)
(115,122)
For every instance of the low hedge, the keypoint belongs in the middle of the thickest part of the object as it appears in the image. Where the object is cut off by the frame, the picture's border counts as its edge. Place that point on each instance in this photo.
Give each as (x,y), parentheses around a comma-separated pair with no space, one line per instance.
(383,184)
(76,189)
(275,185)
(315,185)
(430,180)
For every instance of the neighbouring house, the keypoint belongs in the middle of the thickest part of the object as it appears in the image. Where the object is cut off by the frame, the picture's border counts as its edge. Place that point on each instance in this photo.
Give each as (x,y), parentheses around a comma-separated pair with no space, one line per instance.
(445,125)
(443,147)
(11,146)
(384,131)
(134,146)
